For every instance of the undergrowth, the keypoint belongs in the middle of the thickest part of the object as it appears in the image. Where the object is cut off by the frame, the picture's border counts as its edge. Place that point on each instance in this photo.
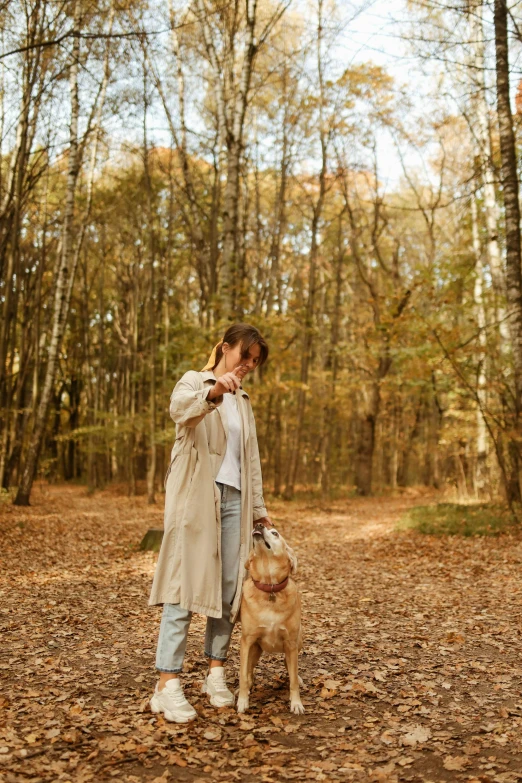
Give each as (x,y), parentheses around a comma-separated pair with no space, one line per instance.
(454,519)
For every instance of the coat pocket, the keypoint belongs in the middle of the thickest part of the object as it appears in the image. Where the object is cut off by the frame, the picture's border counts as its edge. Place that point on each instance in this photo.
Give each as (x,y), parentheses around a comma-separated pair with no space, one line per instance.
(167,474)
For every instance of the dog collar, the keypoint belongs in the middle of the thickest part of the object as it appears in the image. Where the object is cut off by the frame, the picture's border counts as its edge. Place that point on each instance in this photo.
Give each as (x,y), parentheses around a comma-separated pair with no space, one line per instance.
(266,588)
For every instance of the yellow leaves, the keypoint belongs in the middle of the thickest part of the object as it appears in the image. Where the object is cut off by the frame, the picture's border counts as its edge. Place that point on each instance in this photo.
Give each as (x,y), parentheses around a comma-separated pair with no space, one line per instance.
(246,724)
(456,763)
(454,637)
(110,742)
(353,765)
(212,734)
(417,735)
(162,778)
(361,687)
(128,745)
(384,774)
(330,689)
(324,766)
(374,703)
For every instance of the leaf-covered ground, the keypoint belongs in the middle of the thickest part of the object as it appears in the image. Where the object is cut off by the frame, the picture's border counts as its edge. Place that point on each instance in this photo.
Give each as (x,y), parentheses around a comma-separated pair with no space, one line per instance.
(412,665)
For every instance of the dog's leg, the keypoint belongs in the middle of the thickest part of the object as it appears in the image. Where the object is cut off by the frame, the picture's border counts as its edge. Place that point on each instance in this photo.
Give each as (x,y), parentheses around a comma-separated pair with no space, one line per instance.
(254,656)
(244,689)
(291,664)
(299,678)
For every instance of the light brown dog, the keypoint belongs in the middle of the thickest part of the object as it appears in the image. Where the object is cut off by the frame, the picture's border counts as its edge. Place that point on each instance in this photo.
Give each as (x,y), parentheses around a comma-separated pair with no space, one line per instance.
(270,612)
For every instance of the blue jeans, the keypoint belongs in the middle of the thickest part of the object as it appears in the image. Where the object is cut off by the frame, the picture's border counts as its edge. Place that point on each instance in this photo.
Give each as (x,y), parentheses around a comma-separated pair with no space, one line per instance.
(175,621)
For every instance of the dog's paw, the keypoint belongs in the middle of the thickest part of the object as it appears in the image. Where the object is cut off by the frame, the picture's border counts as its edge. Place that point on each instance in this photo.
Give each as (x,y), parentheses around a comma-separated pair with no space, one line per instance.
(296,707)
(242,704)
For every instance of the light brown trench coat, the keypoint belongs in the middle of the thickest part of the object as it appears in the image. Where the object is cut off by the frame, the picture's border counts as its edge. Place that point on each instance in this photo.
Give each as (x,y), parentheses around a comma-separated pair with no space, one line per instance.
(188,571)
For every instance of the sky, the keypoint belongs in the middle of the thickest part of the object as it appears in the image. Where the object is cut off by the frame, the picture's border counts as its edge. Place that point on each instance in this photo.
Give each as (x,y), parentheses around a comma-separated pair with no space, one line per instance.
(376,34)
(371,31)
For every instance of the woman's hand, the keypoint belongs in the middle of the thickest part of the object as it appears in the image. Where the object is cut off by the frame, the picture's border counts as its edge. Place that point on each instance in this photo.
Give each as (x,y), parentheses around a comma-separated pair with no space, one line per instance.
(266,521)
(227,383)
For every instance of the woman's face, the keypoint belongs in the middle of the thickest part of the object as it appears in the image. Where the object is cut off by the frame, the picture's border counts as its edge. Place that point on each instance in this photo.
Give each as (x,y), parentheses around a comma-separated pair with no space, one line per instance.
(245,364)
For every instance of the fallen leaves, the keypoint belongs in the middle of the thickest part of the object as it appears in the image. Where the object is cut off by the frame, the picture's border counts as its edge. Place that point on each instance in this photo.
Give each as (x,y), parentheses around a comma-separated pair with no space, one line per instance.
(456,763)
(212,734)
(407,668)
(419,734)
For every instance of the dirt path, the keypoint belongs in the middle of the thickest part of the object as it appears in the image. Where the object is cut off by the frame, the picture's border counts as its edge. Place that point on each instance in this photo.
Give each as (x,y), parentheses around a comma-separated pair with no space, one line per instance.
(412,664)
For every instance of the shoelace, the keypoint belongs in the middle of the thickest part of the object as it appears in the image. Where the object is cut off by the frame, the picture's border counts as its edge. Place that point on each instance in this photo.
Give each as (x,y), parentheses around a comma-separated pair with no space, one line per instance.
(220,683)
(178,697)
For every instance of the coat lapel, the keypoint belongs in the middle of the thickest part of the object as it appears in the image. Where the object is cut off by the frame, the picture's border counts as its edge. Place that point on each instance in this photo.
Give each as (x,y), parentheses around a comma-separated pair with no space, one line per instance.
(223,417)
(208,375)
(241,394)
(243,414)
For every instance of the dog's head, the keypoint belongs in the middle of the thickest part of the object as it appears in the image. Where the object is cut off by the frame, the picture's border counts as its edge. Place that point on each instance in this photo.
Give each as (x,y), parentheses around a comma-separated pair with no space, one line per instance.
(270,555)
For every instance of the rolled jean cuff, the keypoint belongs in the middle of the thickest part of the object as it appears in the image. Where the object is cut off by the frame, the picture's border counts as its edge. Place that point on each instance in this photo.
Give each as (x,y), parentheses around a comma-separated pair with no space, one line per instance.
(169,671)
(214,657)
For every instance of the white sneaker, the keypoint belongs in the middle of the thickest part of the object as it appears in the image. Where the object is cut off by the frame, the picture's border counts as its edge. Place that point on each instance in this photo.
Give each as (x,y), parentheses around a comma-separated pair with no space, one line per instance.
(172,703)
(215,685)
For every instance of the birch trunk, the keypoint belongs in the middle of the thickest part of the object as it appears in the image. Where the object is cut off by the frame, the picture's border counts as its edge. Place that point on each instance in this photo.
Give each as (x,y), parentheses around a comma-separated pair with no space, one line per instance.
(231,122)
(274,283)
(230,283)
(151,470)
(480,314)
(62,281)
(17,185)
(482,139)
(329,407)
(512,224)
(295,454)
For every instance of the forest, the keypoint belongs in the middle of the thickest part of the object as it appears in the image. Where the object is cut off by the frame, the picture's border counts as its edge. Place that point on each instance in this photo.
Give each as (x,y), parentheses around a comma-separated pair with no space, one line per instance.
(169,168)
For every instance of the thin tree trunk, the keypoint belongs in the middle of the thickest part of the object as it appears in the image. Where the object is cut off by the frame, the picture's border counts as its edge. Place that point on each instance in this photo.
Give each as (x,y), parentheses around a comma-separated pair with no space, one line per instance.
(151,471)
(295,455)
(482,136)
(274,281)
(482,439)
(512,223)
(329,407)
(62,281)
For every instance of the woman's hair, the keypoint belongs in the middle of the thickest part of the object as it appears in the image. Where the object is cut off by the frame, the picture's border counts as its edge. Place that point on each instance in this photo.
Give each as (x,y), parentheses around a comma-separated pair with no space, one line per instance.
(248,336)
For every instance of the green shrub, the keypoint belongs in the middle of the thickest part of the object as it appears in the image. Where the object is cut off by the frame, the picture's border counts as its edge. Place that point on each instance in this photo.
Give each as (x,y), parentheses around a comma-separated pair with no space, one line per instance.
(454,519)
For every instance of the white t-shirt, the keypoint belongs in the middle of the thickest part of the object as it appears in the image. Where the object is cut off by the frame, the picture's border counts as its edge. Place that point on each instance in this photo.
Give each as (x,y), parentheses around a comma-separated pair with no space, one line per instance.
(230,470)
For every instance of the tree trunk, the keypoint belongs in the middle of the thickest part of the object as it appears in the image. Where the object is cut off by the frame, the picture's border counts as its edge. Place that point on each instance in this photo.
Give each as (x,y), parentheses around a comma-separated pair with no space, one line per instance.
(295,454)
(62,282)
(480,480)
(482,138)
(366,443)
(512,221)
(333,365)
(151,468)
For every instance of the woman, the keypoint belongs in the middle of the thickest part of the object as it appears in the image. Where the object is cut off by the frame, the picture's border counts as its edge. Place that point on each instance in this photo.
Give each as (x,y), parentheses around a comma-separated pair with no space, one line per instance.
(214,494)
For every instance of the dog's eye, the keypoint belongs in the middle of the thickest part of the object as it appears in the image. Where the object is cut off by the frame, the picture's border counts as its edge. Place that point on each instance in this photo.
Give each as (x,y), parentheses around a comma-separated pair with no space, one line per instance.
(274,533)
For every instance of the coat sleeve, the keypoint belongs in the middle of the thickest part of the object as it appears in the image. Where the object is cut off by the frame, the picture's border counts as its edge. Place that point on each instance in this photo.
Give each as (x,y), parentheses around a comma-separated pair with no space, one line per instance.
(188,401)
(255,470)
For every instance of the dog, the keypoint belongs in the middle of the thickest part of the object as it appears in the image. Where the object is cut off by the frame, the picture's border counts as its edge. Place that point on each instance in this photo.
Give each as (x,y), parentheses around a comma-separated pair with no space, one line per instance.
(270,613)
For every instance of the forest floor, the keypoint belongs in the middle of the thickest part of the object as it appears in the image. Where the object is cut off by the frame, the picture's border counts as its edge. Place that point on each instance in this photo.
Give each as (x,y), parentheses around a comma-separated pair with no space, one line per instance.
(412,663)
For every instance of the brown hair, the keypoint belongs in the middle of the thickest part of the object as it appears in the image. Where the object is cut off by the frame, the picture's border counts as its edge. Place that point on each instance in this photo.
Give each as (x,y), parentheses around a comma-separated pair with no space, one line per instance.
(248,336)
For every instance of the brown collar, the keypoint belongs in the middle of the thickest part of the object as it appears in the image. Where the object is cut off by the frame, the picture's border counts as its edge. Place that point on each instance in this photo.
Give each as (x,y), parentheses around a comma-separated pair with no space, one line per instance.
(271,588)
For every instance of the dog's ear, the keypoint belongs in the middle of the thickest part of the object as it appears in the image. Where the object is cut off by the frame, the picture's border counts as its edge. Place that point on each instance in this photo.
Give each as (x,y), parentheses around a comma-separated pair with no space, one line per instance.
(292,559)
(249,560)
